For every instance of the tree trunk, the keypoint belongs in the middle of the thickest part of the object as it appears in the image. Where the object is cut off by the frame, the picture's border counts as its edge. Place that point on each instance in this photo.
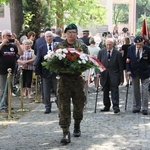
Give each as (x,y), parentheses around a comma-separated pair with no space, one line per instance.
(60,14)
(16,16)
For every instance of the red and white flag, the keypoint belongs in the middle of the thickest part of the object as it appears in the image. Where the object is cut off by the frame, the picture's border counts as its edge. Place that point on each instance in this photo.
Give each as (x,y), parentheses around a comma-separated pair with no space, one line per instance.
(144,29)
(97,63)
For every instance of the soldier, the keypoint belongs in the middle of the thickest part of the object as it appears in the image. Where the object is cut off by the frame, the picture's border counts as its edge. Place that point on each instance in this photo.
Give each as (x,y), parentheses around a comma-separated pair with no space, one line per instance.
(71,87)
(86,37)
(138,62)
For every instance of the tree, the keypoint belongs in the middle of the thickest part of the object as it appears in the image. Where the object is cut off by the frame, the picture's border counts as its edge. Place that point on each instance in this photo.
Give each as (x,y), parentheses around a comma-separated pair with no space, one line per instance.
(41,13)
(81,12)
(16,14)
(35,15)
(120,13)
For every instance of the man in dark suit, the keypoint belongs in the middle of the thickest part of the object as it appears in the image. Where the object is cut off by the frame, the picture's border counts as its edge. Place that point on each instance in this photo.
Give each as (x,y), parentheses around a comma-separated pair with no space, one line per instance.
(138,66)
(48,78)
(58,36)
(86,37)
(40,41)
(112,77)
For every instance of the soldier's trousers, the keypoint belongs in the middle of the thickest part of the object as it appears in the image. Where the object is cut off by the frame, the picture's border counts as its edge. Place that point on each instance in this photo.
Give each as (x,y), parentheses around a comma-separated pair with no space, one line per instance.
(70,88)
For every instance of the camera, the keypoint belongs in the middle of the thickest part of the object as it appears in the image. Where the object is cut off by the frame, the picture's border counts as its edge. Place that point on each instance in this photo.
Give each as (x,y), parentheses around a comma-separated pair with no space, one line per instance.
(11,40)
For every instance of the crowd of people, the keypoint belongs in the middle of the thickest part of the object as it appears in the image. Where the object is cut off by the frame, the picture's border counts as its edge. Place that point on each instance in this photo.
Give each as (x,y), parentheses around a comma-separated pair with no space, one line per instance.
(121,58)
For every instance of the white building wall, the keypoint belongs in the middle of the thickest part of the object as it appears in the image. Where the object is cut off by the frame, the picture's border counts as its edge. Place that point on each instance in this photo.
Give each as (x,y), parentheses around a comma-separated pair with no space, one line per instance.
(5,22)
(109,13)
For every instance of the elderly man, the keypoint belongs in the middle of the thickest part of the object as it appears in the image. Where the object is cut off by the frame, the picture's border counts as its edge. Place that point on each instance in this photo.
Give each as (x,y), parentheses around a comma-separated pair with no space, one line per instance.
(40,41)
(71,86)
(9,49)
(48,78)
(112,77)
(138,62)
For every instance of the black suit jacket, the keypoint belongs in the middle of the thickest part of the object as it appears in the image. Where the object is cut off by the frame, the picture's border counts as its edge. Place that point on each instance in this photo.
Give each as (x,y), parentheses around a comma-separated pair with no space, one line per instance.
(139,67)
(39,69)
(38,43)
(114,68)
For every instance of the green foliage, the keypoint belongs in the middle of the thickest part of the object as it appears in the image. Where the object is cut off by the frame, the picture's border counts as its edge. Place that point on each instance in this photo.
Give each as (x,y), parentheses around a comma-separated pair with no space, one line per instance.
(81,12)
(121,13)
(41,13)
(27,19)
(4,1)
(143,11)
(35,15)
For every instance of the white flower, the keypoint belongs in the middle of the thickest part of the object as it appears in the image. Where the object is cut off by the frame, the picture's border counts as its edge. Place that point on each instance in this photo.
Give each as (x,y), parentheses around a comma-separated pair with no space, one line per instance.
(79,61)
(83,61)
(65,50)
(49,55)
(63,55)
(60,57)
(86,58)
(59,50)
(46,57)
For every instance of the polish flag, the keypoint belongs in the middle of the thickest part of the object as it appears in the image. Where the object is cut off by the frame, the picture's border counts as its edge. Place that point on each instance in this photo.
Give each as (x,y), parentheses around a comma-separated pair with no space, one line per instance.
(144,29)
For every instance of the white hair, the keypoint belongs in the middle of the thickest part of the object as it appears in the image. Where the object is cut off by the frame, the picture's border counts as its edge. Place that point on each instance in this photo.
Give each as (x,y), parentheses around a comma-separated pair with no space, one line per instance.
(110,40)
(49,33)
(27,41)
(24,37)
(4,32)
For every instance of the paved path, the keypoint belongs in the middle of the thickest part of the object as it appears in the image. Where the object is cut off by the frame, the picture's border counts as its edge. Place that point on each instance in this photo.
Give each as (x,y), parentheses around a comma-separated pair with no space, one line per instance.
(100,131)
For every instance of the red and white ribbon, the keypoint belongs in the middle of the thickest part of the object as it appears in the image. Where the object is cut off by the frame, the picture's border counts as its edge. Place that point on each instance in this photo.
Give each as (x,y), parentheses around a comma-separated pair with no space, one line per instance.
(92,59)
(97,63)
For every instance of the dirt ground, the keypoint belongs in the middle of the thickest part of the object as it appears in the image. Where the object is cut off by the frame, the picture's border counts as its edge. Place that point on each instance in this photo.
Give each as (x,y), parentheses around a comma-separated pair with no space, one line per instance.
(18,110)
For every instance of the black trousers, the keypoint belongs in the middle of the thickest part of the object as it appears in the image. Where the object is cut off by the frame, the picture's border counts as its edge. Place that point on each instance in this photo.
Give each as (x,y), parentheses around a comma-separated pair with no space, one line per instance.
(108,87)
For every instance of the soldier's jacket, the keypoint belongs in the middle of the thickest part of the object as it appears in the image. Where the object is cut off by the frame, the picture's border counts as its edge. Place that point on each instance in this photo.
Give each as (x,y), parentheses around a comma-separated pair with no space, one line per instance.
(78,45)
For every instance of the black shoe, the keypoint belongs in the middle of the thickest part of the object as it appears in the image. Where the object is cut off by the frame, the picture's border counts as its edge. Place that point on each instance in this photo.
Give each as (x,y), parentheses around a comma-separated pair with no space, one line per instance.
(105,109)
(56,101)
(66,138)
(116,110)
(47,111)
(144,112)
(130,83)
(127,85)
(76,133)
(136,111)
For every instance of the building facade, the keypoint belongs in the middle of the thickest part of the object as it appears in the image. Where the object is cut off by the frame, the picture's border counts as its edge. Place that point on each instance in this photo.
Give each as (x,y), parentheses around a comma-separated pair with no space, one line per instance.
(5,17)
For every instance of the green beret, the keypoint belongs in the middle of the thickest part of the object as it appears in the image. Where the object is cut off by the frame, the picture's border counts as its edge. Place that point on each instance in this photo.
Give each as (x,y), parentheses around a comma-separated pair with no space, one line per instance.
(71,27)
(138,39)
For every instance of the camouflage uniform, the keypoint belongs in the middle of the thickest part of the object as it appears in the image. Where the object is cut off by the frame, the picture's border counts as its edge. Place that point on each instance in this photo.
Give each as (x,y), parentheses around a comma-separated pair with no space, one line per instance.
(71,87)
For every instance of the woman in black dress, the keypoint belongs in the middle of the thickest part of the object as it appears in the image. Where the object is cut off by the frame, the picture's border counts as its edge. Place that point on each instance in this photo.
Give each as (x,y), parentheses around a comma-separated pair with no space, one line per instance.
(124,54)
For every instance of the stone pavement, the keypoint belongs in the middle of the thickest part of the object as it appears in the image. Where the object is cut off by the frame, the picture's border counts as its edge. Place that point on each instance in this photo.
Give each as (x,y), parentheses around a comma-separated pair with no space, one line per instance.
(100,131)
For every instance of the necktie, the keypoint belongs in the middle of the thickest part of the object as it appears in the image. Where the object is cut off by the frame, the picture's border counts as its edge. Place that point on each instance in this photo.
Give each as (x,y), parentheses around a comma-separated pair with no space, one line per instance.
(138,54)
(50,48)
(108,56)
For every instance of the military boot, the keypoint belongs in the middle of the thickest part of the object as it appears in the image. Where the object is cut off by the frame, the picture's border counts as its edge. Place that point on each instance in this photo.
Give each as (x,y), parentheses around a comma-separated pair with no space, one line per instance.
(77,132)
(66,136)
